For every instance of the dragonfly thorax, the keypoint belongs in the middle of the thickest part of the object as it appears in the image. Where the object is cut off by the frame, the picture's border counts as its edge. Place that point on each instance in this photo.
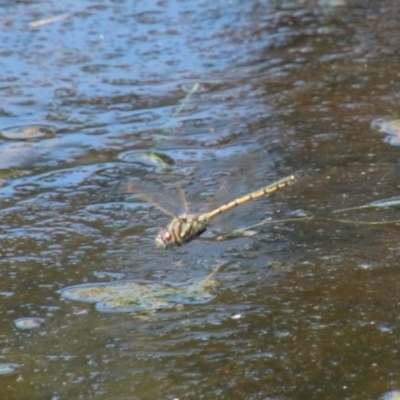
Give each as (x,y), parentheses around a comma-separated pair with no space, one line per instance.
(181,230)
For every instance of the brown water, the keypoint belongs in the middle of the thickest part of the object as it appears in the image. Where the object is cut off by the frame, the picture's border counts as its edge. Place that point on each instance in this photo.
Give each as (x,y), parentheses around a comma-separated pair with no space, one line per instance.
(303,310)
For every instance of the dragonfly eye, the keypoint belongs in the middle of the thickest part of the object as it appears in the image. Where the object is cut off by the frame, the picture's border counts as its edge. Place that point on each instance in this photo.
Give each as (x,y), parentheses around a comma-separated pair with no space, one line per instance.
(164,238)
(167,236)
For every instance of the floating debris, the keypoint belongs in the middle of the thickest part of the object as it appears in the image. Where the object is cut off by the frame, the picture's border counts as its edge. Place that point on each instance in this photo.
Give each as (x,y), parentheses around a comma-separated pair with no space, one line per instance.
(8,368)
(149,160)
(29,323)
(28,132)
(383,203)
(391,127)
(159,161)
(50,20)
(394,201)
(393,395)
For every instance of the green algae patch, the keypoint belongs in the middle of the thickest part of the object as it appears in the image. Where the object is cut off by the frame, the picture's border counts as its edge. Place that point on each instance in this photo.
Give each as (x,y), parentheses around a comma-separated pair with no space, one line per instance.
(138,296)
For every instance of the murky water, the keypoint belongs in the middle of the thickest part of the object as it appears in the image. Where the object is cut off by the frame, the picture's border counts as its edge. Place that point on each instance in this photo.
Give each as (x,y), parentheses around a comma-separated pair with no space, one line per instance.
(305,309)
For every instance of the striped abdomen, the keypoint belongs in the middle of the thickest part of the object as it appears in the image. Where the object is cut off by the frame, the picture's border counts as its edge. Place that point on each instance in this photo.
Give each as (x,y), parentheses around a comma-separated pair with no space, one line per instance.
(251,196)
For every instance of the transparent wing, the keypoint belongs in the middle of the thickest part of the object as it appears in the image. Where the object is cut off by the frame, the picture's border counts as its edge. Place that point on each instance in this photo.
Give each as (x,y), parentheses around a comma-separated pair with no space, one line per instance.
(170,201)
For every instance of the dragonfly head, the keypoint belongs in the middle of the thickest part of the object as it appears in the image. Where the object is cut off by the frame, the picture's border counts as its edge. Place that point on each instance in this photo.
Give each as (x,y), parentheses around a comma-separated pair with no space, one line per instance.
(164,238)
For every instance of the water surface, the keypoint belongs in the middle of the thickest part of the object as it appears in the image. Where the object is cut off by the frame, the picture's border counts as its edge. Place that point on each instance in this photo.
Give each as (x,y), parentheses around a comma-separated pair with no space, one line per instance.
(305,309)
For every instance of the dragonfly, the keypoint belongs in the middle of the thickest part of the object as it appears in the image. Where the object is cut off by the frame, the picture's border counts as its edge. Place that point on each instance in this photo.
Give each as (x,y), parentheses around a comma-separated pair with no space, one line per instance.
(182,229)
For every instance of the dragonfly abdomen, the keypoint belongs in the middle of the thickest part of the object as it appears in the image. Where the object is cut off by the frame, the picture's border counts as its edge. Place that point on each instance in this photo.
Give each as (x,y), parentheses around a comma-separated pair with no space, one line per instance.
(251,196)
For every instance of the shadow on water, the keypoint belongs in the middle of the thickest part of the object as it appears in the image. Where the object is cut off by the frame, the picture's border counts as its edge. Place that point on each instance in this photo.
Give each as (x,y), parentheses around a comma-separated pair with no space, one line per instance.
(301,309)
